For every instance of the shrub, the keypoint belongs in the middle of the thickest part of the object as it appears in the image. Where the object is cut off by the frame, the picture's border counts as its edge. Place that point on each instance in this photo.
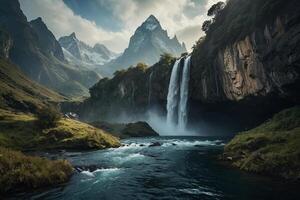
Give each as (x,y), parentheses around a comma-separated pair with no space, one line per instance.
(48,117)
(22,172)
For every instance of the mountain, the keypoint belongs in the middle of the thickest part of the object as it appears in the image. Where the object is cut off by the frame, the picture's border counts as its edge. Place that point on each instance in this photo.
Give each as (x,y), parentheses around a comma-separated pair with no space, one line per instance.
(241,73)
(147,44)
(18,92)
(38,54)
(79,53)
(47,41)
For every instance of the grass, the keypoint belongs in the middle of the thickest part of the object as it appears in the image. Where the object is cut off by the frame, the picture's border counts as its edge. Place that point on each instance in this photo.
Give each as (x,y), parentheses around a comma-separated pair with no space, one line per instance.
(19,93)
(272,148)
(21,131)
(21,172)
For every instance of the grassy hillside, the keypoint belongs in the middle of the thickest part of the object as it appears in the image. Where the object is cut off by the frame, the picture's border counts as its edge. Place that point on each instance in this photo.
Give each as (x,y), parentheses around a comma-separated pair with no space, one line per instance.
(19,172)
(272,148)
(19,92)
(21,131)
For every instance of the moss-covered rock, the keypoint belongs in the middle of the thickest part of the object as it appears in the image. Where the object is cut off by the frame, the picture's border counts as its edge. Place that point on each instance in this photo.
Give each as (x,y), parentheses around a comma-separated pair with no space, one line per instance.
(137,129)
(21,131)
(273,148)
(21,172)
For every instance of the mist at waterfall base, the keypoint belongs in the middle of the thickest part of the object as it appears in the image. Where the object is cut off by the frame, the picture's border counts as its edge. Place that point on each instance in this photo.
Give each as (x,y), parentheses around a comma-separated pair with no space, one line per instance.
(177,102)
(173,122)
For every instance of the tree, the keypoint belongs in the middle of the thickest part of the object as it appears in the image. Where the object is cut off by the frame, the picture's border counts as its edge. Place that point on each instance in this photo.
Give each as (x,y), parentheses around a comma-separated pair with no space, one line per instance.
(205,26)
(215,9)
(141,66)
(166,58)
(48,117)
(198,43)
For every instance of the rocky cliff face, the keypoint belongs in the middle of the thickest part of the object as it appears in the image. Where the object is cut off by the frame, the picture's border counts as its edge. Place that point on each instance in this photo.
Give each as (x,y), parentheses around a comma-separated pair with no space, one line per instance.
(5,44)
(129,92)
(261,63)
(47,40)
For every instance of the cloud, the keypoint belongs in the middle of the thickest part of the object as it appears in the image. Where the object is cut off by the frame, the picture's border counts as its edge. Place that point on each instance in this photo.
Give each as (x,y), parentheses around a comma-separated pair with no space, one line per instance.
(181,17)
(61,20)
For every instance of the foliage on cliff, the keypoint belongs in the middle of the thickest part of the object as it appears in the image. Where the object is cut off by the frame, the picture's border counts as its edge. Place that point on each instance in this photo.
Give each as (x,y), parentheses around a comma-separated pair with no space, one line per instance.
(129,91)
(272,148)
(19,172)
(21,131)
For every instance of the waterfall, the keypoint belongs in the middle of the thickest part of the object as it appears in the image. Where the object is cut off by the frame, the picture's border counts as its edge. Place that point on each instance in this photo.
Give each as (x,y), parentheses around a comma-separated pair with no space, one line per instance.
(150,89)
(184,92)
(177,100)
(172,99)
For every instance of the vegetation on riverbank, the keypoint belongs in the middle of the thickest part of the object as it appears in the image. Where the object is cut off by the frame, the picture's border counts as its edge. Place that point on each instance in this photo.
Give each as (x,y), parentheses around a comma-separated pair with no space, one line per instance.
(272,148)
(22,131)
(21,172)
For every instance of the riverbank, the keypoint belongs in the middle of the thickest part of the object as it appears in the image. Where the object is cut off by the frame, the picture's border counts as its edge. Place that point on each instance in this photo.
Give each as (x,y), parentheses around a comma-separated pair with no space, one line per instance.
(20,172)
(273,148)
(21,131)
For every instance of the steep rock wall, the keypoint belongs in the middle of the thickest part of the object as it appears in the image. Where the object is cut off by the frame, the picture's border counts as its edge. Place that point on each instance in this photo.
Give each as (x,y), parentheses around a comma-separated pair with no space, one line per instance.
(265,61)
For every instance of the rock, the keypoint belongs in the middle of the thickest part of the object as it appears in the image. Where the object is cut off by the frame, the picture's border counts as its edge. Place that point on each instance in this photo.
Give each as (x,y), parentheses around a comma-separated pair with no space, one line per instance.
(139,129)
(155,144)
(229,158)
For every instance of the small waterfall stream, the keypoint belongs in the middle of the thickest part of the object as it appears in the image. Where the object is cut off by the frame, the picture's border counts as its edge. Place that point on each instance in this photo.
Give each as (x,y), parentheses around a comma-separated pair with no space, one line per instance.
(177,101)
(150,89)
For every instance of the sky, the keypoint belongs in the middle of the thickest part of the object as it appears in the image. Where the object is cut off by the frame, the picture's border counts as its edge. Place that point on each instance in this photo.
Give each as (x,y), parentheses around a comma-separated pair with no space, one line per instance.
(113,22)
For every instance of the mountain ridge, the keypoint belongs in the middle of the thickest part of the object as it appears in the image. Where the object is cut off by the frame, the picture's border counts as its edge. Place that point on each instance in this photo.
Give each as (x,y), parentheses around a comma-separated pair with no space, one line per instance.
(146,45)
(36,51)
(79,53)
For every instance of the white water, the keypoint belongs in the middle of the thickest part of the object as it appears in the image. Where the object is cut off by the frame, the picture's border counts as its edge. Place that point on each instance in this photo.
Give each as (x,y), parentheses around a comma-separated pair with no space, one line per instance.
(150,89)
(177,101)
(184,92)
(172,99)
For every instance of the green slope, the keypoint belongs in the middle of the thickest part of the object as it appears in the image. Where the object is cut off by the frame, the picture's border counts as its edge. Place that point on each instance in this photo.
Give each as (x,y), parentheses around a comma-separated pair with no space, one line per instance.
(20,93)
(272,148)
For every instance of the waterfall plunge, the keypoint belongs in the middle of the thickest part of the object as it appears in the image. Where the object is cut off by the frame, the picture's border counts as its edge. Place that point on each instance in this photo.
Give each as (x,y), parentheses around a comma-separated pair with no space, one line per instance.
(178,95)
(172,99)
(184,93)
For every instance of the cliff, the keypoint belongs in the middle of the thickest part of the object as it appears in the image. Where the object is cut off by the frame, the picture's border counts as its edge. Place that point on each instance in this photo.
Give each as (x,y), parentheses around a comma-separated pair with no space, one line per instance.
(129,92)
(244,70)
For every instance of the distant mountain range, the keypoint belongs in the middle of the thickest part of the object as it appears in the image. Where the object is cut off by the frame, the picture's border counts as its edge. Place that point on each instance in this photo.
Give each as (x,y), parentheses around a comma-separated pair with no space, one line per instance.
(147,44)
(79,53)
(39,55)
(69,66)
